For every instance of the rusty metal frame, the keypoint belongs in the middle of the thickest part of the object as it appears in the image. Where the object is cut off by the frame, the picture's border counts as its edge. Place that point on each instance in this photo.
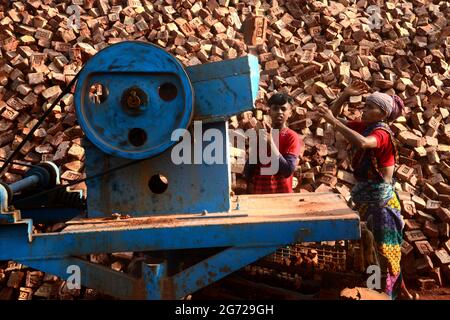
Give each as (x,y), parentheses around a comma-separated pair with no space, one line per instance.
(154,284)
(170,233)
(257,226)
(248,234)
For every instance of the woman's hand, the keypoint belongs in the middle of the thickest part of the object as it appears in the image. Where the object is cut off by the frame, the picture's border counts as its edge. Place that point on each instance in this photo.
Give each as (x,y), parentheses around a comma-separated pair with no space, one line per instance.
(357,88)
(326,113)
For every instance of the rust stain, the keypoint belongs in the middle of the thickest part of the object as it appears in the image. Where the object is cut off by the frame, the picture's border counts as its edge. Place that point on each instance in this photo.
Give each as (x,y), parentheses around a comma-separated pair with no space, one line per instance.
(168,289)
(109,222)
(152,221)
(200,283)
(105,185)
(225,269)
(139,222)
(139,290)
(212,275)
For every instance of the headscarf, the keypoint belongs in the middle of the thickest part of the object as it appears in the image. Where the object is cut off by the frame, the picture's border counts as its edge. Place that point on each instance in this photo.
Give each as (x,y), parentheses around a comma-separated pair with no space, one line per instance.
(392,105)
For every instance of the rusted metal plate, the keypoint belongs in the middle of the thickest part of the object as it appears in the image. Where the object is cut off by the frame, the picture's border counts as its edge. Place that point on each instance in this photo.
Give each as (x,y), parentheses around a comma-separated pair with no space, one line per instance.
(289,218)
(191,188)
(252,209)
(262,224)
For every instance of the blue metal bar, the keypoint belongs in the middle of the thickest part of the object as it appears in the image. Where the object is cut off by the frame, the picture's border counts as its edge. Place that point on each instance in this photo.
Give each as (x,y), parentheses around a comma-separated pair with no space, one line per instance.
(157,286)
(224,88)
(50,215)
(215,268)
(24,183)
(14,244)
(154,283)
(189,187)
(92,275)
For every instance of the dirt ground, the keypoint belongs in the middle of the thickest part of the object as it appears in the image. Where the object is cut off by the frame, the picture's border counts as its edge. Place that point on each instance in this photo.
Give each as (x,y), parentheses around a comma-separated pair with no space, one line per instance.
(436,294)
(329,287)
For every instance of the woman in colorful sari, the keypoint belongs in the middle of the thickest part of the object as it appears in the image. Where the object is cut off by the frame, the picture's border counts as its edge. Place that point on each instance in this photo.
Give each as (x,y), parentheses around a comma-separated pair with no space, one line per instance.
(373,164)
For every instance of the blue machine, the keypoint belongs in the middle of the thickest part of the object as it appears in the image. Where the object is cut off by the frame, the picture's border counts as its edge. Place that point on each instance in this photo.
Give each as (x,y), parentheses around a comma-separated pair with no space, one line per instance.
(171,210)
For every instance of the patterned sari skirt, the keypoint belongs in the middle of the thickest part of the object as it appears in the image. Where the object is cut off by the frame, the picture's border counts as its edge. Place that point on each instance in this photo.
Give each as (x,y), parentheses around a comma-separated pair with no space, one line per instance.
(378,204)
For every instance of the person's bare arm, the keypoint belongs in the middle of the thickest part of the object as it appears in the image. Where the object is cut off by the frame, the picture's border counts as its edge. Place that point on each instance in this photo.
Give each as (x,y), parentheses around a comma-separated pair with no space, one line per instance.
(388,173)
(287,162)
(352,136)
(336,107)
(357,88)
(342,120)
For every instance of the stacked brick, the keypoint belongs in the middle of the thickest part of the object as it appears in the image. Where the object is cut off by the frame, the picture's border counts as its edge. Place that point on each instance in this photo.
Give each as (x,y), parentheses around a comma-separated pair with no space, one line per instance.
(309,49)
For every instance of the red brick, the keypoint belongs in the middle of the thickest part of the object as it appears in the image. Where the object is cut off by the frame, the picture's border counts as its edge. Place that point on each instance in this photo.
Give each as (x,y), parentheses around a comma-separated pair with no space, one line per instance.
(15,279)
(442,257)
(427,283)
(76,152)
(431,230)
(423,247)
(424,265)
(444,214)
(72,176)
(444,230)
(415,235)
(411,224)
(407,249)
(255,29)
(409,208)
(447,246)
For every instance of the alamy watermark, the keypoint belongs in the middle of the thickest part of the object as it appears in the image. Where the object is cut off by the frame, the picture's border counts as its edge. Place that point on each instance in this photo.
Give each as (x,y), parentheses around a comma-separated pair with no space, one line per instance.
(374,280)
(74,20)
(74,280)
(375,18)
(186,152)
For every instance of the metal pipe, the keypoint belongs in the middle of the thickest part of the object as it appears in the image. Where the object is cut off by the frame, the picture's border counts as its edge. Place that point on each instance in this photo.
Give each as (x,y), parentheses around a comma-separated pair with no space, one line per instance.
(24,183)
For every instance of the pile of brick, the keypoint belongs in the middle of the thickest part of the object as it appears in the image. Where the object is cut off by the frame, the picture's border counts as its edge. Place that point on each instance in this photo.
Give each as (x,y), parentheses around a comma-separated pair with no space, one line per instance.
(309,49)
(313,50)
(20,282)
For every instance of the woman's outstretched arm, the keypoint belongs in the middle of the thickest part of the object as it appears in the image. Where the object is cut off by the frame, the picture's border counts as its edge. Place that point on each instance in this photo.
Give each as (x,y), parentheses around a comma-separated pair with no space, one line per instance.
(354,137)
(357,88)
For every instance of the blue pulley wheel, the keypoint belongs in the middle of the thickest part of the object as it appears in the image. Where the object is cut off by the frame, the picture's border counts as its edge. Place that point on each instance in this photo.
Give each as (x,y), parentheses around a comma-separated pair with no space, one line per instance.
(130,97)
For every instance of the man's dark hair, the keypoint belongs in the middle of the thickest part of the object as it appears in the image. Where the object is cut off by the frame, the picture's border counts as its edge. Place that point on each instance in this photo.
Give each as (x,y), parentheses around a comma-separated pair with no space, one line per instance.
(279,99)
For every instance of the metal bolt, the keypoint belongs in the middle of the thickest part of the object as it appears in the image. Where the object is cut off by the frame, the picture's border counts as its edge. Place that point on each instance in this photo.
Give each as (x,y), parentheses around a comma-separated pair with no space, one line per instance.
(133,100)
